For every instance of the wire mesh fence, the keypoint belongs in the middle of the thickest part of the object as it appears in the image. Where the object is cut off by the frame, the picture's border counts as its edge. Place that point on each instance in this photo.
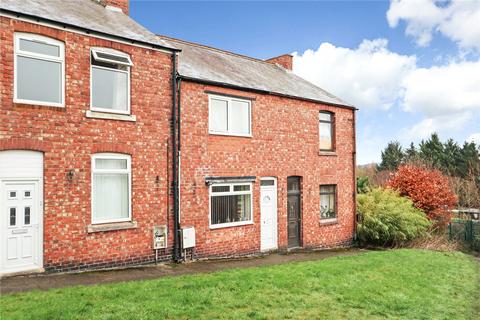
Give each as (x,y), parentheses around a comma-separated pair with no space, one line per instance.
(467,230)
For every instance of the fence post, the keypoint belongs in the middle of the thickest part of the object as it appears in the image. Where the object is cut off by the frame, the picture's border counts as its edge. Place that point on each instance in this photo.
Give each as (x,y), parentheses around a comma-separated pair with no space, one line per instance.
(469,233)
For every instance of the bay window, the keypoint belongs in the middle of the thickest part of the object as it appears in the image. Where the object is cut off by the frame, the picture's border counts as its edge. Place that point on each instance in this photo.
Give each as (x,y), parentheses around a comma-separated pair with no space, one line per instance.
(110,81)
(111,188)
(230,204)
(39,70)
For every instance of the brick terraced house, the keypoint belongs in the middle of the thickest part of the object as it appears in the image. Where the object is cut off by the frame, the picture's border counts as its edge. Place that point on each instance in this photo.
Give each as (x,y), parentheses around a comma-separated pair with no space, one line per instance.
(121,147)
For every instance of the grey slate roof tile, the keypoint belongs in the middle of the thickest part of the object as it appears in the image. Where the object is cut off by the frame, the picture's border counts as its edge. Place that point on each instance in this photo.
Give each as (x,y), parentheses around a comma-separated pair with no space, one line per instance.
(86,14)
(195,62)
(214,65)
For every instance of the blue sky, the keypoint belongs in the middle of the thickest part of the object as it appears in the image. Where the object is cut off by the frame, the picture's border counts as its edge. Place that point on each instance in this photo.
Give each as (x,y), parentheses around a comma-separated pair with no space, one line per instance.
(411,67)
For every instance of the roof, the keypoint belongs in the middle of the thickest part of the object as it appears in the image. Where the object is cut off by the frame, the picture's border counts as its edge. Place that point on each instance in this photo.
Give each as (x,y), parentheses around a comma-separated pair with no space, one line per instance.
(86,14)
(211,65)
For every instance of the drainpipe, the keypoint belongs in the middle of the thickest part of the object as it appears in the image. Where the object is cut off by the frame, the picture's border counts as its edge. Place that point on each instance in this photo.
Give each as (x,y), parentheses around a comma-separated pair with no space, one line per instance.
(179,143)
(176,224)
(354,163)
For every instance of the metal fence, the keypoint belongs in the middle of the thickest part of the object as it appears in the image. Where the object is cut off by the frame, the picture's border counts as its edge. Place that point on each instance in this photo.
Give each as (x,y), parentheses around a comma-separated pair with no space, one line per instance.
(467,230)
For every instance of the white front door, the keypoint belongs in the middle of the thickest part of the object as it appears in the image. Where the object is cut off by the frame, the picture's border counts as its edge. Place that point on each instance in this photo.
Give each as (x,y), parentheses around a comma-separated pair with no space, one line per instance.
(268,212)
(21,246)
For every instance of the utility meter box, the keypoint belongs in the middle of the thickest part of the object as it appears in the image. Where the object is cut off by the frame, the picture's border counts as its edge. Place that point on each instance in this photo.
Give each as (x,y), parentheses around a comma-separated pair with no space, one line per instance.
(188,237)
(159,237)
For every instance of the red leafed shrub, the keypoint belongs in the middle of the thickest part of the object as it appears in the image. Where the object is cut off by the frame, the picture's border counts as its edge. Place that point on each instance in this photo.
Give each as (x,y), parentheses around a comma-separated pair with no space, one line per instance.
(429,190)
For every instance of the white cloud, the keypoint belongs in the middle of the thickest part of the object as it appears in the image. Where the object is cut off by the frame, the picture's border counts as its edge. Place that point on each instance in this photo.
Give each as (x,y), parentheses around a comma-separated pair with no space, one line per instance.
(368,76)
(441,90)
(449,123)
(457,20)
(373,77)
(475,137)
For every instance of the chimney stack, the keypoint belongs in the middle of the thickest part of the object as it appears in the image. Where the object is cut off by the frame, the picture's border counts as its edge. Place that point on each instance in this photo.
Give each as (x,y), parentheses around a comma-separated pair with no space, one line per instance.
(285,60)
(123,5)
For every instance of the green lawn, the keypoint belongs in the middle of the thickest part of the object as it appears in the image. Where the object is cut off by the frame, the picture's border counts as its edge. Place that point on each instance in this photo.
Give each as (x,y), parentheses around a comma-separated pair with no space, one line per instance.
(407,284)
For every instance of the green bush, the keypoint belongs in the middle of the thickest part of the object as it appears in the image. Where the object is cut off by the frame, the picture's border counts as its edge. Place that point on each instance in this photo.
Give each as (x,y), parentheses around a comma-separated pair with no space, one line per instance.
(363,184)
(389,219)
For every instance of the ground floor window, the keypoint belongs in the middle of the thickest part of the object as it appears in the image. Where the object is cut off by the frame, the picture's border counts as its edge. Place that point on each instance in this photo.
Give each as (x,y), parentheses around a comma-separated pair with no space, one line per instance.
(328,202)
(111,185)
(230,204)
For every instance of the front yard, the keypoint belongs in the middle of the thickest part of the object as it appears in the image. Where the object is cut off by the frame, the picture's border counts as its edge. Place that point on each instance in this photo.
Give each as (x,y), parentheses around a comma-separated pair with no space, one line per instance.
(407,284)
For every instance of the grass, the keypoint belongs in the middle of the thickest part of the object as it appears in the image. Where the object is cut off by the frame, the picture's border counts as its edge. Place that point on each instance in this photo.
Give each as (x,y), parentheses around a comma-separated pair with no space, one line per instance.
(394,284)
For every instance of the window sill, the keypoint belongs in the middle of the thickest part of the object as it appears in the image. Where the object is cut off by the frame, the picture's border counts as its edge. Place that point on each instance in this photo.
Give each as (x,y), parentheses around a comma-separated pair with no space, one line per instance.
(39,103)
(110,116)
(230,135)
(111,226)
(327,153)
(326,222)
(230,225)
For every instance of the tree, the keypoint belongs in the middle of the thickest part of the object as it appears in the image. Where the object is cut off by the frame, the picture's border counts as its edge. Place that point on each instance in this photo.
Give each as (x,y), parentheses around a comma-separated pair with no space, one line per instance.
(392,157)
(389,219)
(469,163)
(363,184)
(432,151)
(411,153)
(451,158)
(429,190)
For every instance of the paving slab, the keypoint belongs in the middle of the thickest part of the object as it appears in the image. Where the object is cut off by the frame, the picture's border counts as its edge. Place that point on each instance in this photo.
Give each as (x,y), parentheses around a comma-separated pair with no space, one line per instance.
(60,280)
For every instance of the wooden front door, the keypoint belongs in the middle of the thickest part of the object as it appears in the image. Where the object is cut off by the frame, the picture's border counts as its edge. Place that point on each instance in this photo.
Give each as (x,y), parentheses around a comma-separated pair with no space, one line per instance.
(294,212)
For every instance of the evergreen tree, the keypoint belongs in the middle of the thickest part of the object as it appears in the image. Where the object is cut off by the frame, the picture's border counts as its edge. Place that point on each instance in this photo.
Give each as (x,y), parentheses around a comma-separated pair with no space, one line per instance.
(451,158)
(411,153)
(392,157)
(469,162)
(432,151)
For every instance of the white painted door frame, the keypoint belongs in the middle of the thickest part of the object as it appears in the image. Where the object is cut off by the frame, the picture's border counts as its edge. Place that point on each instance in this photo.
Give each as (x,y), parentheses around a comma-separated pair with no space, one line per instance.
(268,214)
(34,229)
(18,170)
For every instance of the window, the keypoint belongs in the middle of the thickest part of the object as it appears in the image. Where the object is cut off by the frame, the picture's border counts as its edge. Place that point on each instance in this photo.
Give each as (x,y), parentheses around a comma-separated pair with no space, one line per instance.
(328,202)
(111,188)
(39,70)
(229,116)
(110,81)
(13,216)
(325,126)
(230,204)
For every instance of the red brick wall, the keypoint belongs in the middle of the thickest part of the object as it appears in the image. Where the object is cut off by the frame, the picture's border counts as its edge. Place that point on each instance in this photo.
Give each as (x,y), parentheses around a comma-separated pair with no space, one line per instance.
(284,143)
(285,61)
(122,4)
(68,140)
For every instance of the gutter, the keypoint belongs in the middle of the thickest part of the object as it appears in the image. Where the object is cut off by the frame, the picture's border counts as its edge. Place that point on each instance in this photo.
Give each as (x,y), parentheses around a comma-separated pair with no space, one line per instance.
(232,86)
(63,25)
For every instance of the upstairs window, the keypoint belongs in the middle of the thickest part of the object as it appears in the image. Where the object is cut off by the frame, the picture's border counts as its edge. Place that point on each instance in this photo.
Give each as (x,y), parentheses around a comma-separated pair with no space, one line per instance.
(110,81)
(229,116)
(230,204)
(111,187)
(326,130)
(39,70)
(328,202)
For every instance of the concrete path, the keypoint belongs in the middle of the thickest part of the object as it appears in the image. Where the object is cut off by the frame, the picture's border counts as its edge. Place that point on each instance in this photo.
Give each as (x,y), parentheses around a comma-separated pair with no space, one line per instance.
(60,280)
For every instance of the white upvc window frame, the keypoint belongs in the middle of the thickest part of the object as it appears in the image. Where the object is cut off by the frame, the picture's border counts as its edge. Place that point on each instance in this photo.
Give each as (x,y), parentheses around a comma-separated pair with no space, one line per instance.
(231,192)
(229,100)
(93,53)
(61,59)
(128,171)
